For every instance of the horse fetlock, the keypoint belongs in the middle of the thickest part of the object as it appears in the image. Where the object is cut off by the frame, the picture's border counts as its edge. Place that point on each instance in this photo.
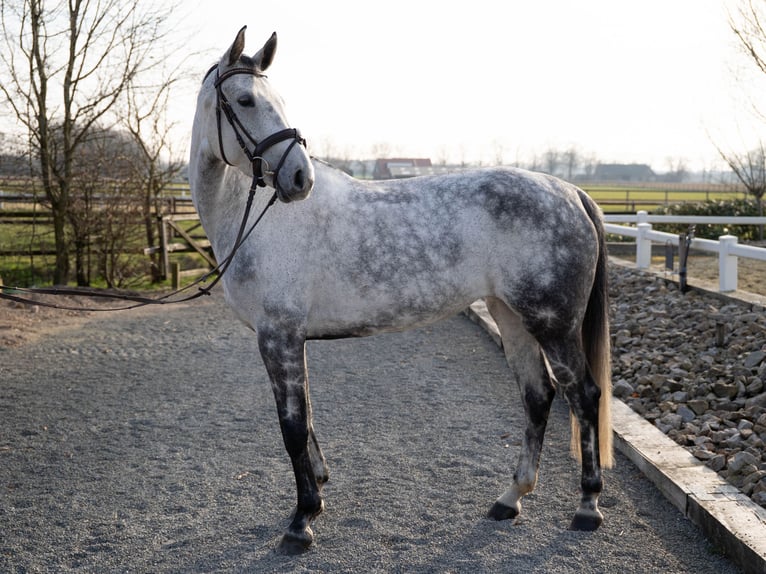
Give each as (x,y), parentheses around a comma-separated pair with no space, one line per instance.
(309,510)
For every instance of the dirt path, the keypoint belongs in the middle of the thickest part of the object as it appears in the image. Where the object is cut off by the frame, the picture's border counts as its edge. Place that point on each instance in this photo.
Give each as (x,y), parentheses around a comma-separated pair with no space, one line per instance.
(148,441)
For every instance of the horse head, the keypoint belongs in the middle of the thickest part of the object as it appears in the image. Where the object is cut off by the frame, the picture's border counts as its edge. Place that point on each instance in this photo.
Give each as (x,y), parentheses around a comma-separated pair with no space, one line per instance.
(251,125)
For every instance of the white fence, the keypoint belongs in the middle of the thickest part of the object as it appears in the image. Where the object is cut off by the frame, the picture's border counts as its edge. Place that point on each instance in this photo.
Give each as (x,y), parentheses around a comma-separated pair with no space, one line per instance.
(727,247)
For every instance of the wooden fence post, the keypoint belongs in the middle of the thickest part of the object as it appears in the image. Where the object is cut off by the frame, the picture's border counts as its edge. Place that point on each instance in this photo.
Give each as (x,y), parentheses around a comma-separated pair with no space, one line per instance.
(176,275)
(164,257)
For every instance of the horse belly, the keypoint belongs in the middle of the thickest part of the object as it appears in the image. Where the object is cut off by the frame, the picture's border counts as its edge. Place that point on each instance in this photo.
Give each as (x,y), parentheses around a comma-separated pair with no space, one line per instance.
(395,304)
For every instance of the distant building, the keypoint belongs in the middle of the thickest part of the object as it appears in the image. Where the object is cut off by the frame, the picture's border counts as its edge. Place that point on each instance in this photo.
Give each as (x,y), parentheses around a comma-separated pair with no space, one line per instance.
(624,172)
(392,168)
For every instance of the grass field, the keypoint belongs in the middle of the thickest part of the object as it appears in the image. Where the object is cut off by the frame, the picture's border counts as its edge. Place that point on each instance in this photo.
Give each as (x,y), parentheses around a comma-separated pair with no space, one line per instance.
(630,198)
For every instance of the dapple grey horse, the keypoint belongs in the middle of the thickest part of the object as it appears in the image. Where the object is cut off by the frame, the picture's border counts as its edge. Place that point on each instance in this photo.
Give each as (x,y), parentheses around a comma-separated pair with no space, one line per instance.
(340,257)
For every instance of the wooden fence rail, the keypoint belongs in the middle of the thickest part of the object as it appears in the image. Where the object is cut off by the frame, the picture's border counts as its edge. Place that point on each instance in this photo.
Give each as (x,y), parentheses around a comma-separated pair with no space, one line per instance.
(27,209)
(169,227)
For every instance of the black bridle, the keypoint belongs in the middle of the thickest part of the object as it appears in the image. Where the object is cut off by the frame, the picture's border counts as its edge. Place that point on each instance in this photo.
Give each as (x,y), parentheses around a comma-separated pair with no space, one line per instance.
(255,156)
(23,295)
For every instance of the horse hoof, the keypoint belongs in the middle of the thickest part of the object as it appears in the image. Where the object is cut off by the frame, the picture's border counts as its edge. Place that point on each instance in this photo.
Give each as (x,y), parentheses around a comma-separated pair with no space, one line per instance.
(500,511)
(293,544)
(586,521)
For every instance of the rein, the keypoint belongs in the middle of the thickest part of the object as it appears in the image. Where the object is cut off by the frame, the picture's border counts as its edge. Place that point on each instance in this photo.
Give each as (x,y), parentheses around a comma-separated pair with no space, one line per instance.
(23,295)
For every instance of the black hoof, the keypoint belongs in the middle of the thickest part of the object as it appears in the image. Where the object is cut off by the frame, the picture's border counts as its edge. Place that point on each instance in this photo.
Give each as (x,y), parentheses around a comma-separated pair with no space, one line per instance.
(293,544)
(500,511)
(586,522)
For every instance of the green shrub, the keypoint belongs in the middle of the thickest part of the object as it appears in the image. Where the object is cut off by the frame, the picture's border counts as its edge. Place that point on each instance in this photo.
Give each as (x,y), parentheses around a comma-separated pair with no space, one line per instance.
(734,208)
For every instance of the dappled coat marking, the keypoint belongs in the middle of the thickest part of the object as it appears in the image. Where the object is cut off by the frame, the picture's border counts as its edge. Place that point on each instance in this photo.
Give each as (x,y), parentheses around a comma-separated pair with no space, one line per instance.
(357,258)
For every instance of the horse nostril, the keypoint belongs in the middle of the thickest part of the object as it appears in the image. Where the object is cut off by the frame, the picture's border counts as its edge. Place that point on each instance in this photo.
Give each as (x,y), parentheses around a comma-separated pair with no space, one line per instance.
(299,180)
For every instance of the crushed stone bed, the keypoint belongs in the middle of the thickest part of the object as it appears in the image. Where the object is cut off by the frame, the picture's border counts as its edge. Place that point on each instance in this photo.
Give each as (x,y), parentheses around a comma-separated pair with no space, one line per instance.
(694,365)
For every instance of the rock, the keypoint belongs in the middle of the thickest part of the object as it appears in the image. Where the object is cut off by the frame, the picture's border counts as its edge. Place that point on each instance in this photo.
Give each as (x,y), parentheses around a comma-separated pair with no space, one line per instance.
(725,390)
(622,389)
(699,406)
(674,420)
(758,400)
(742,460)
(754,359)
(720,436)
(760,498)
(702,454)
(687,415)
(744,424)
(755,477)
(717,463)
(622,338)
(755,386)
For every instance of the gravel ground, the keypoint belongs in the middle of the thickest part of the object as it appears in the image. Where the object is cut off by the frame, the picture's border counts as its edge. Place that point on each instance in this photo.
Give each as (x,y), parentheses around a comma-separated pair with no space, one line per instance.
(147,441)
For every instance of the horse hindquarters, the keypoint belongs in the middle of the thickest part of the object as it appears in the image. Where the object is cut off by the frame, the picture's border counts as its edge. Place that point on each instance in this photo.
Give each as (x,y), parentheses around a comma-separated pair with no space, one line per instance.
(574,341)
(528,368)
(580,362)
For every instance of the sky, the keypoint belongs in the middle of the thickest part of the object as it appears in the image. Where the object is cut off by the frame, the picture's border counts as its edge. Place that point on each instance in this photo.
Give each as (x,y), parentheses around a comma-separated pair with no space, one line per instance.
(649,81)
(646,81)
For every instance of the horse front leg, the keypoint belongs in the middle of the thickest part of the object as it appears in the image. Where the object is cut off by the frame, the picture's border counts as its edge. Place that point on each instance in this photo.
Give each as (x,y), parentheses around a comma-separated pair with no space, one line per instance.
(285,359)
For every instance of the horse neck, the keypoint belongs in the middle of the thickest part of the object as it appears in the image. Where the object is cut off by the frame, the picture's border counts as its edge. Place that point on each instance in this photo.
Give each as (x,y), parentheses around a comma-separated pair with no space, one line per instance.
(220,195)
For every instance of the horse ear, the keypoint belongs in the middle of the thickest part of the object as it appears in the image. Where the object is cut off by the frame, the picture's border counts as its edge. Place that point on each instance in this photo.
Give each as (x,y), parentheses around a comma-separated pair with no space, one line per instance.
(265,55)
(233,54)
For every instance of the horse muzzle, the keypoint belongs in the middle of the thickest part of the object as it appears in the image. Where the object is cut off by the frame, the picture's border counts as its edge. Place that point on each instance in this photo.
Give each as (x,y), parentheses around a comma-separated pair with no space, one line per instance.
(295,180)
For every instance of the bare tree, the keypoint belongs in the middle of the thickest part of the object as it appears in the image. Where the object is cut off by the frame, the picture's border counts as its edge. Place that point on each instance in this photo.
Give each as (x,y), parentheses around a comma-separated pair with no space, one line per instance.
(571,159)
(551,161)
(381,149)
(750,169)
(748,25)
(498,150)
(677,170)
(64,67)
(156,163)
(105,213)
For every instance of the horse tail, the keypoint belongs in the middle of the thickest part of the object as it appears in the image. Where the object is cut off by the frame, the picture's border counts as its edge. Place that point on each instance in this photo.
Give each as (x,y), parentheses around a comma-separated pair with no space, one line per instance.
(596,342)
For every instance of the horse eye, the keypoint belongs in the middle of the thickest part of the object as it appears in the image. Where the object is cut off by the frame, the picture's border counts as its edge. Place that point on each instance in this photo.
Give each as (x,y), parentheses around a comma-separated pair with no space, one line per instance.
(246,101)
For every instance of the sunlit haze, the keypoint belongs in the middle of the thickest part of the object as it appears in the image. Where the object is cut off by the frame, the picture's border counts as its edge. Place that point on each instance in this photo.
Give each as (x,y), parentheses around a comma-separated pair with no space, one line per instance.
(650,81)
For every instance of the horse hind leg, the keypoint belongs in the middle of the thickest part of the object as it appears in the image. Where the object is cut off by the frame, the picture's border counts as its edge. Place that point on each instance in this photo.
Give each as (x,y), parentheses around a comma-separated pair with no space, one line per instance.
(582,394)
(537,391)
